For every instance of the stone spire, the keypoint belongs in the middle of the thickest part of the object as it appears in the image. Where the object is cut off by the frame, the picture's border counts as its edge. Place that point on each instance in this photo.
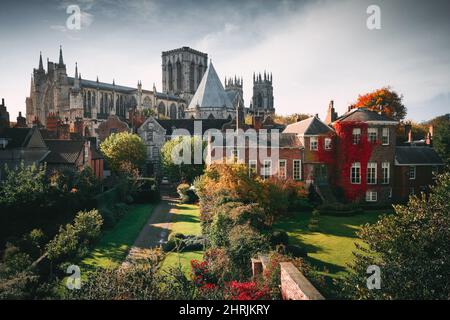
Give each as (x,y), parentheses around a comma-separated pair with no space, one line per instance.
(41,66)
(76,80)
(61,61)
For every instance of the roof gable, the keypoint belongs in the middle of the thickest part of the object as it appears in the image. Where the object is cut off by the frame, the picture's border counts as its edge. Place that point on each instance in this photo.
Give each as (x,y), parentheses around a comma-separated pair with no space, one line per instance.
(311,126)
(365,115)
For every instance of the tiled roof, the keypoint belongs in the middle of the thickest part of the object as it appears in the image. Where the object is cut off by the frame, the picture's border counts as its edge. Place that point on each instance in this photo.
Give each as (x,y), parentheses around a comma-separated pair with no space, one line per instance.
(63,151)
(210,92)
(17,137)
(188,124)
(415,155)
(363,115)
(310,126)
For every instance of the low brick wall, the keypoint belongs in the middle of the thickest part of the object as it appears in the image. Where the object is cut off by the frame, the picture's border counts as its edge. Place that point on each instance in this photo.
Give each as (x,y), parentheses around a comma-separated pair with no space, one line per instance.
(294,285)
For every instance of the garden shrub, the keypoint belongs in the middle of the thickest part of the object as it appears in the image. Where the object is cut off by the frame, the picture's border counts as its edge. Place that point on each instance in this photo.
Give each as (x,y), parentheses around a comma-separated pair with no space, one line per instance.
(279,237)
(245,242)
(72,240)
(109,218)
(296,251)
(147,191)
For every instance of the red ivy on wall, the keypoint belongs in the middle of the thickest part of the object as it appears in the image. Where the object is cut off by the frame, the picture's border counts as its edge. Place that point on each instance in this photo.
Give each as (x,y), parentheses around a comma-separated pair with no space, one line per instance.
(348,153)
(339,160)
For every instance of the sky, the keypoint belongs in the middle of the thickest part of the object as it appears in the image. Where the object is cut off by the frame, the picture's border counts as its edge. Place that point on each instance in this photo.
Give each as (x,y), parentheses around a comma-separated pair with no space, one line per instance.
(317,51)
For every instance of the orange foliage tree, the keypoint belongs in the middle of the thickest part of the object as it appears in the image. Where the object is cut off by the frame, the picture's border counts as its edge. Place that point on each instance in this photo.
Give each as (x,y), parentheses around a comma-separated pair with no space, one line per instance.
(385,100)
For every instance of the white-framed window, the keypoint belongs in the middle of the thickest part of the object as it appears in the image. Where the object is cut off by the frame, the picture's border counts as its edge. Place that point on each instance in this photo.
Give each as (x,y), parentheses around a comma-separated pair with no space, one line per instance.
(267,169)
(412,191)
(356,135)
(251,167)
(282,169)
(297,169)
(412,173)
(355,173)
(371,173)
(313,144)
(372,135)
(385,171)
(371,196)
(327,143)
(385,136)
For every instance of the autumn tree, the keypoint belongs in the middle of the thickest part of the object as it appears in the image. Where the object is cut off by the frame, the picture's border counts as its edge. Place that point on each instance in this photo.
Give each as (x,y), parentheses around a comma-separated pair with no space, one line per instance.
(123,150)
(385,100)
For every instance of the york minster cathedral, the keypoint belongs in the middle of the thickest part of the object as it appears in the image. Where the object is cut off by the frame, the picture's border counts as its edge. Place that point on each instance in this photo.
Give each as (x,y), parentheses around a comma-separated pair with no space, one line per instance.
(191,89)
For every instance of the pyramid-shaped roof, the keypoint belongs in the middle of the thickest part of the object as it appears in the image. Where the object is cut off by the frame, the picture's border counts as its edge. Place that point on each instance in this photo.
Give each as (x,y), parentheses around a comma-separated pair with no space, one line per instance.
(210,92)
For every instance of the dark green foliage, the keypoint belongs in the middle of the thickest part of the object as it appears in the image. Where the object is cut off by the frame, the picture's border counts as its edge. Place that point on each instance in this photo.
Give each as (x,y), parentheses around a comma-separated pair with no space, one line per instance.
(74,238)
(296,251)
(411,248)
(146,191)
(31,200)
(279,237)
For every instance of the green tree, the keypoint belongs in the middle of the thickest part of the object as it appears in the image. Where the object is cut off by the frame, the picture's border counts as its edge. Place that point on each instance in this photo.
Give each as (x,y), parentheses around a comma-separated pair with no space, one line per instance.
(123,149)
(411,247)
(179,165)
(441,139)
(25,185)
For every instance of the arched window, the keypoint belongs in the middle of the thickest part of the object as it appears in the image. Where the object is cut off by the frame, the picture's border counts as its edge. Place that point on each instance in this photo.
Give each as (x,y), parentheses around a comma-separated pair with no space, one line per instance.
(259,101)
(161,109)
(181,112)
(170,74)
(173,111)
(191,77)
(200,74)
(147,103)
(179,77)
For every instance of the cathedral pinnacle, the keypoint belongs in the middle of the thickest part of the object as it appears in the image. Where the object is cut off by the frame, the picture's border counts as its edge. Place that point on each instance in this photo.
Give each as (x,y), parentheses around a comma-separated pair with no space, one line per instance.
(41,66)
(61,62)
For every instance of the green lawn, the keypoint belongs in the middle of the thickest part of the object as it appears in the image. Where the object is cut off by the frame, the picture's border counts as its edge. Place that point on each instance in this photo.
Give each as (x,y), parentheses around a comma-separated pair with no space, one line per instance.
(330,248)
(186,220)
(113,246)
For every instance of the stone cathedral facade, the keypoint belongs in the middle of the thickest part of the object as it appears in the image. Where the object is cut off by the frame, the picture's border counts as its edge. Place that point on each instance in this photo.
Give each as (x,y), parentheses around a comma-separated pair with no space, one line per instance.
(186,76)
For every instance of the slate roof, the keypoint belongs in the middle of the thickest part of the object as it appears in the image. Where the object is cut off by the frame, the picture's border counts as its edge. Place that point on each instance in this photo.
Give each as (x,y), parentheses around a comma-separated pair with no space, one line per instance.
(63,151)
(102,85)
(210,92)
(310,126)
(286,140)
(170,124)
(363,115)
(17,137)
(417,155)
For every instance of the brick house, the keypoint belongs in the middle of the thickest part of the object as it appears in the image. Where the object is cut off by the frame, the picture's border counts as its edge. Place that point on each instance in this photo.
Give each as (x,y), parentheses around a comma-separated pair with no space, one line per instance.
(317,139)
(414,171)
(365,152)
